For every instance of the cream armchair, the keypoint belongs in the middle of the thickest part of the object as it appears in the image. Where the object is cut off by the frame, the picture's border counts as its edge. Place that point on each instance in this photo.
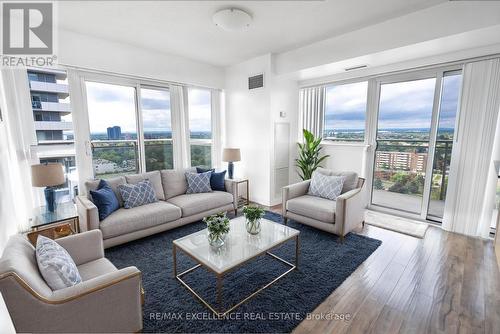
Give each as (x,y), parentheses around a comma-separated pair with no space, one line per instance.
(107,299)
(338,217)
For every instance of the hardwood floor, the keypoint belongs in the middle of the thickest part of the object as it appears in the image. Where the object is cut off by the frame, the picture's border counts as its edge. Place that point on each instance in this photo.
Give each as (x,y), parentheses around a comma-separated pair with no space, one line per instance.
(444,283)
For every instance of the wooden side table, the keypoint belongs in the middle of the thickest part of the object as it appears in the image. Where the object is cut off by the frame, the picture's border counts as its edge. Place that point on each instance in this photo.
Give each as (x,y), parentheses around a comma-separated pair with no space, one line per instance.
(60,223)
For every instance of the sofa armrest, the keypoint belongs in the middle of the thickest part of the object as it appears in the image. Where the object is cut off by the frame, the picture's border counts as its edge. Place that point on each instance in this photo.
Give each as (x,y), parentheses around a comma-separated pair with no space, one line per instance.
(232,188)
(83,247)
(292,191)
(350,210)
(87,214)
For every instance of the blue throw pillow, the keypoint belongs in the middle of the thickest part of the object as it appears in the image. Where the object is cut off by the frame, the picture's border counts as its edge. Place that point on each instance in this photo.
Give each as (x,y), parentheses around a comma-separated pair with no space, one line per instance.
(198,183)
(137,194)
(104,199)
(216,179)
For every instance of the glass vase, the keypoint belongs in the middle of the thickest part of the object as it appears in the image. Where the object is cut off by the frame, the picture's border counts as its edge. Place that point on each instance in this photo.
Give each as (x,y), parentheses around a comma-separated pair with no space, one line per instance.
(253,226)
(216,240)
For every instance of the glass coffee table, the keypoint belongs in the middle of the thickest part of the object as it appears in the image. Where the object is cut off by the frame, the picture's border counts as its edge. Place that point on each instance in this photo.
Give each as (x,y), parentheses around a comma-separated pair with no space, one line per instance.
(239,248)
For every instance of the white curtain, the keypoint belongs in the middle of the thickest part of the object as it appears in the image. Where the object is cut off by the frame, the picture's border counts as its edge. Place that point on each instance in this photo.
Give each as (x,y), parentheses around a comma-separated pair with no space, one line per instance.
(469,202)
(17,135)
(180,126)
(312,110)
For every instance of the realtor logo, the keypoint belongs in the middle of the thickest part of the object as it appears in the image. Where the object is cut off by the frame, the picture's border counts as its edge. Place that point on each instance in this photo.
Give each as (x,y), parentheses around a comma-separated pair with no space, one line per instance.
(27,28)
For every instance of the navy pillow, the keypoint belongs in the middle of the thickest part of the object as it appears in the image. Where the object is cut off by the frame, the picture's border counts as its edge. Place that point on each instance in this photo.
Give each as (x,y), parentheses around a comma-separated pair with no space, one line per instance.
(105,199)
(216,179)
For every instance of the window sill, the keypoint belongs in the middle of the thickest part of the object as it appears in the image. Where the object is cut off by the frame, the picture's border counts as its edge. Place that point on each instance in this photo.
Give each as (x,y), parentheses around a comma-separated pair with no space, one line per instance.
(344,143)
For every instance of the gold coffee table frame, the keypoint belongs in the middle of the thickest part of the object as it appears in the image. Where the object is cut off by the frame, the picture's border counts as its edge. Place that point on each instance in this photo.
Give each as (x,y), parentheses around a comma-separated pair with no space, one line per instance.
(220,276)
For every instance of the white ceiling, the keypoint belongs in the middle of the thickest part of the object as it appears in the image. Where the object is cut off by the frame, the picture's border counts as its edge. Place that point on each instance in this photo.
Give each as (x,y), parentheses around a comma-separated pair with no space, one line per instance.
(185,28)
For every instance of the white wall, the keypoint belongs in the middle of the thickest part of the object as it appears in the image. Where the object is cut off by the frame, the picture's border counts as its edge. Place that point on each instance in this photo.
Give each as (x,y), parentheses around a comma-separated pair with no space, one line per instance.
(99,54)
(248,124)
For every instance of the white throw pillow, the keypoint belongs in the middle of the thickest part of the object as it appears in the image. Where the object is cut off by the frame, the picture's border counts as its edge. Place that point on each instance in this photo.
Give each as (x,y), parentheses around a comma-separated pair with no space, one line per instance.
(55,264)
(326,186)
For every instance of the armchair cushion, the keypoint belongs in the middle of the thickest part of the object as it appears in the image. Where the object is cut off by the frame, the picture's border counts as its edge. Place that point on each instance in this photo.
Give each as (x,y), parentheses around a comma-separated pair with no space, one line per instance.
(55,264)
(313,207)
(95,268)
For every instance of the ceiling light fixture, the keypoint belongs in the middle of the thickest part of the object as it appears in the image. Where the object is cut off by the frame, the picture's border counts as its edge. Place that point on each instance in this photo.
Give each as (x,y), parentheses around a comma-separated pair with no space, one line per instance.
(232,19)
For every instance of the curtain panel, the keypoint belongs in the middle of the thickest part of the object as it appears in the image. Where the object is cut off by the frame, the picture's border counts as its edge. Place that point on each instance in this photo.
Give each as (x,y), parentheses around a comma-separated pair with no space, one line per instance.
(469,204)
(312,110)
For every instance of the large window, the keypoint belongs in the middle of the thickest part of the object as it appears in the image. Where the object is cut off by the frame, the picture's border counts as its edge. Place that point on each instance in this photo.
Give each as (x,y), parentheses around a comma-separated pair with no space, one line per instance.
(200,126)
(345,112)
(113,129)
(157,125)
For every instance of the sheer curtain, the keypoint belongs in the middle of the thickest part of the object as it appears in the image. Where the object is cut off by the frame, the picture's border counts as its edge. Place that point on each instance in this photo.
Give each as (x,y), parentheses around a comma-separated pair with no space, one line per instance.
(312,110)
(180,125)
(470,201)
(17,135)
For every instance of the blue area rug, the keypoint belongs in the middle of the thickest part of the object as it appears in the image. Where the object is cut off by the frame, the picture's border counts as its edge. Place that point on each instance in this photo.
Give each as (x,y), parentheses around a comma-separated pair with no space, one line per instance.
(170,307)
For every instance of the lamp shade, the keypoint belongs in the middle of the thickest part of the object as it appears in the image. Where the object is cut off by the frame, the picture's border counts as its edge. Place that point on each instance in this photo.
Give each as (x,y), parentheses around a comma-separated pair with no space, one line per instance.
(47,175)
(231,154)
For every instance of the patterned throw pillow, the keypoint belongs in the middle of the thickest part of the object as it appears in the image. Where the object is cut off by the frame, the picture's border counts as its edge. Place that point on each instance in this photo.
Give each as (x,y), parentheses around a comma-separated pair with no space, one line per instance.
(137,194)
(198,182)
(55,264)
(326,186)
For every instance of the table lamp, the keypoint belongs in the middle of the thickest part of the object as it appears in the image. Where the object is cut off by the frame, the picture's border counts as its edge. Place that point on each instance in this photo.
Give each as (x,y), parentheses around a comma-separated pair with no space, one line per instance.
(48,175)
(230,155)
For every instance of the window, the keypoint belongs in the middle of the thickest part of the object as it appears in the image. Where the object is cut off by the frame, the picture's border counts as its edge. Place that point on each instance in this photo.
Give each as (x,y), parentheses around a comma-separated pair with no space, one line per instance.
(157,125)
(113,129)
(200,126)
(345,112)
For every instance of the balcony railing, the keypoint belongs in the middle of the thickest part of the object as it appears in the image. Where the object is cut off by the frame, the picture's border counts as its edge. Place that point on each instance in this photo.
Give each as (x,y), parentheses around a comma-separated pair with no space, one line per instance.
(51,106)
(400,167)
(61,89)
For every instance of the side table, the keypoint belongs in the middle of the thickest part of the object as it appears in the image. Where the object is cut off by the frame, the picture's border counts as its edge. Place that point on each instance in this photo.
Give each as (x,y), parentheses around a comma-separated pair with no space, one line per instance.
(242,201)
(60,223)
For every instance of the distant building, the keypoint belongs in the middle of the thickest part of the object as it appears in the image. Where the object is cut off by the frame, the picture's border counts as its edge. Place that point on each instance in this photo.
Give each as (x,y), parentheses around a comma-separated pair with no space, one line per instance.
(114,132)
(52,123)
(409,161)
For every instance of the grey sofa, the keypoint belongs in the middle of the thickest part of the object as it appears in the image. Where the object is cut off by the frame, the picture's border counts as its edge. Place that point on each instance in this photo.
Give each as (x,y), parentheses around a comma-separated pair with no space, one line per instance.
(107,299)
(174,207)
(338,217)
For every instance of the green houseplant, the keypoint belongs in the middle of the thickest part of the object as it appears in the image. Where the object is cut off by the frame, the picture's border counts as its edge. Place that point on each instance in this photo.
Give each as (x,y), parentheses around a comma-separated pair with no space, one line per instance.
(253,214)
(309,155)
(218,227)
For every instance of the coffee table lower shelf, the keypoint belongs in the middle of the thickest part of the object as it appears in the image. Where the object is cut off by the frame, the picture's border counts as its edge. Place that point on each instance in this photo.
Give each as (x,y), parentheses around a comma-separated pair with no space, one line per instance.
(217,310)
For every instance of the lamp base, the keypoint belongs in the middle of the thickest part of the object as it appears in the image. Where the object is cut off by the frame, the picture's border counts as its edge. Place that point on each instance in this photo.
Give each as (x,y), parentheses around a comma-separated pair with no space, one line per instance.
(50,199)
(230,170)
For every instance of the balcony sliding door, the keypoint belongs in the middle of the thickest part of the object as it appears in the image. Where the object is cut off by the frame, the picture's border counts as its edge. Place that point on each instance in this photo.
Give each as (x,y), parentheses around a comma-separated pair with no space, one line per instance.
(415,126)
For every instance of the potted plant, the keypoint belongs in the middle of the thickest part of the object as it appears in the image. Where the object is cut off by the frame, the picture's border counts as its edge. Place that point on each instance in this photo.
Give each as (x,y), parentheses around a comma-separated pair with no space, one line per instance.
(253,214)
(218,227)
(309,155)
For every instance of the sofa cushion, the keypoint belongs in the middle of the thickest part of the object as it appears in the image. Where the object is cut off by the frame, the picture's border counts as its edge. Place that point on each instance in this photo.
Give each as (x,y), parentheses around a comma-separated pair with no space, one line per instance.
(198,182)
(104,199)
(350,178)
(174,181)
(96,268)
(192,204)
(313,207)
(55,264)
(137,194)
(113,182)
(124,221)
(154,177)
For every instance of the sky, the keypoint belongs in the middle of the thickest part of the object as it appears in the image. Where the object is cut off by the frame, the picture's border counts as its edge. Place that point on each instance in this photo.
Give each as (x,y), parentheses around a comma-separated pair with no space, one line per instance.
(402,105)
(111,105)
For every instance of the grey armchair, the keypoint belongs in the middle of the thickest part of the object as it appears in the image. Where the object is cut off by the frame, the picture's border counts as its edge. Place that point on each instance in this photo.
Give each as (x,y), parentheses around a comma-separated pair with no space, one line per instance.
(107,299)
(338,217)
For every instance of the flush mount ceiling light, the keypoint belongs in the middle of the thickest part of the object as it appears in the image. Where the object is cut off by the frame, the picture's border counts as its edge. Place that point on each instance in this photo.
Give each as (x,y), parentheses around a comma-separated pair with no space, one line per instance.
(232,19)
